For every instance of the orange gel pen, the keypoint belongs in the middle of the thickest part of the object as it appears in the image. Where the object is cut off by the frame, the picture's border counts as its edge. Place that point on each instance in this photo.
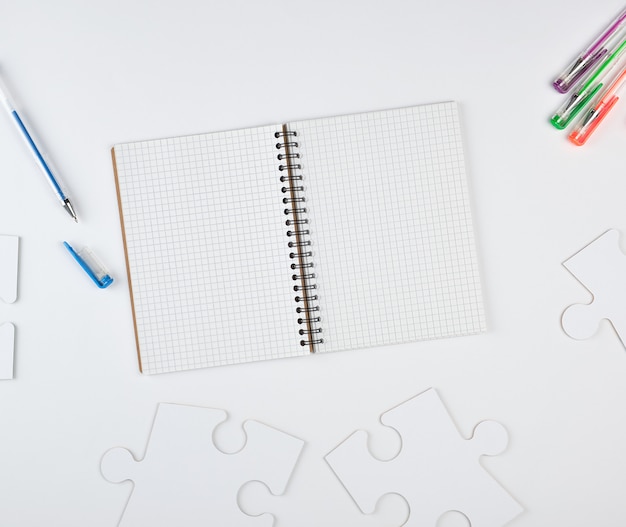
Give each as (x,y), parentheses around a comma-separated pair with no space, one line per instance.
(596,115)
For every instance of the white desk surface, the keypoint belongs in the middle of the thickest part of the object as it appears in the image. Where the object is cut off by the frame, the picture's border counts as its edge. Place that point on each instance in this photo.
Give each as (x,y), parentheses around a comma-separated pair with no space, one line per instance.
(91,74)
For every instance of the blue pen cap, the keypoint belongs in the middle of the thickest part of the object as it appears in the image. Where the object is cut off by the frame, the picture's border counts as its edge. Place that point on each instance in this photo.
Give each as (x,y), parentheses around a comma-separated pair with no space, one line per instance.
(91,265)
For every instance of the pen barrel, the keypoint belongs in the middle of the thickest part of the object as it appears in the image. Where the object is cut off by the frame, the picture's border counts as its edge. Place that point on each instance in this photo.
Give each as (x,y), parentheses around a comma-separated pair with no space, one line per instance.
(5,97)
(43,162)
(588,58)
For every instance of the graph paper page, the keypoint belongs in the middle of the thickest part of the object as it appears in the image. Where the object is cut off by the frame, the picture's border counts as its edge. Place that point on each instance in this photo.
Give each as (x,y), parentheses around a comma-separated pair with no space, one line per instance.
(207,251)
(390,222)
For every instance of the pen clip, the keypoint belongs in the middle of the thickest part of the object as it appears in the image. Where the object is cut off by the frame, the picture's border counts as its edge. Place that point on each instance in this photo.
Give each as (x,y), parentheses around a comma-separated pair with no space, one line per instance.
(591,121)
(569,77)
(570,109)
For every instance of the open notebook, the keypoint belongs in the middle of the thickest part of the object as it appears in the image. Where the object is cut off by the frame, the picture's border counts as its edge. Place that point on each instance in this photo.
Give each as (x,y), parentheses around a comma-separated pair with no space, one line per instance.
(318,235)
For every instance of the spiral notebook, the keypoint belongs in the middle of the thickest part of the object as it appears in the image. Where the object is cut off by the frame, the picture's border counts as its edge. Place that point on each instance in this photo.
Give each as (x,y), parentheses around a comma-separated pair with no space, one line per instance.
(313,236)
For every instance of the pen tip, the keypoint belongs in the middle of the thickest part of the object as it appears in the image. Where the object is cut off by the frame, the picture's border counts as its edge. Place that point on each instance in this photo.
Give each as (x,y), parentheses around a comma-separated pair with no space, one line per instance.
(70,210)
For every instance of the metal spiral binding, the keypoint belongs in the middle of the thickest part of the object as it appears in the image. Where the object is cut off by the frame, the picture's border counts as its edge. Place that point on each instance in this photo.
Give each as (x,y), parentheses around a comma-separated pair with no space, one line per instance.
(298,232)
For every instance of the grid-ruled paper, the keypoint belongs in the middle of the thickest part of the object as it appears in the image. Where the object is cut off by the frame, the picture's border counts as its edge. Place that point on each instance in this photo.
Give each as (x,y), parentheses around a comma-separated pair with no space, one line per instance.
(390,222)
(207,250)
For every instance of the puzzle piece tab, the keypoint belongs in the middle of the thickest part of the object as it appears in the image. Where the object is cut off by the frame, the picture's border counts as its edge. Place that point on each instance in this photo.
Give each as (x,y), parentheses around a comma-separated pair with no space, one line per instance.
(601,268)
(184,479)
(436,470)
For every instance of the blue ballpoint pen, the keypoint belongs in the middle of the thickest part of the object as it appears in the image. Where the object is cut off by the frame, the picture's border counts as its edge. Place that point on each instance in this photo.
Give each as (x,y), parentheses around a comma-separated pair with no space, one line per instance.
(39,158)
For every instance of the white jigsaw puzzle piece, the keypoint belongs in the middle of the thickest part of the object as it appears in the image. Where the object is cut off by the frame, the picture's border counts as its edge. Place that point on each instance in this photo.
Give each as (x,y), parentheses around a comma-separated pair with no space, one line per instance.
(601,268)
(7,342)
(185,480)
(8,268)
(436,470)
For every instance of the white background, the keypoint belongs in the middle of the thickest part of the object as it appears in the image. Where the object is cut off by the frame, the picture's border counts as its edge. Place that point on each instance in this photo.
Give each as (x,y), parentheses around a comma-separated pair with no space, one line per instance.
(91,74)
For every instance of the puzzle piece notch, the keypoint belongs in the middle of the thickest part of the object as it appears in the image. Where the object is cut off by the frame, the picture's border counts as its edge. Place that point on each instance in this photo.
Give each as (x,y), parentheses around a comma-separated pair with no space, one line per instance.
(7,346)
(453,519)
(9,246)
(250,499)
(601,268)
(255,498)
(184,479)
(435,471)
